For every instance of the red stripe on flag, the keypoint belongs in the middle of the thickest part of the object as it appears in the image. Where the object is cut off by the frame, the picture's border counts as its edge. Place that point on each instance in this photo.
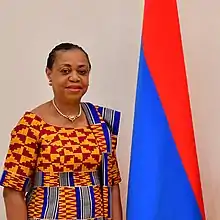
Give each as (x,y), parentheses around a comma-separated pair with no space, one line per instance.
(164,56)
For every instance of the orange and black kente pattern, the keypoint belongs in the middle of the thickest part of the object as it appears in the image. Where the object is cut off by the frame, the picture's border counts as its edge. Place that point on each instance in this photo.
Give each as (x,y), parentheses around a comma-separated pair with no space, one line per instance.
(62,170)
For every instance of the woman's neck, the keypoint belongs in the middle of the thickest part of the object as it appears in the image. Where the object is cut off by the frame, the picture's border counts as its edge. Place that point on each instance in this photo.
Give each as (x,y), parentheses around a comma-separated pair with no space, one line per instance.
(67,108)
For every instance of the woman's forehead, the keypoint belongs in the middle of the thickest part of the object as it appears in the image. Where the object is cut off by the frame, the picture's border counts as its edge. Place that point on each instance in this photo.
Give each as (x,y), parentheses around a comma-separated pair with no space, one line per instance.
(70,56)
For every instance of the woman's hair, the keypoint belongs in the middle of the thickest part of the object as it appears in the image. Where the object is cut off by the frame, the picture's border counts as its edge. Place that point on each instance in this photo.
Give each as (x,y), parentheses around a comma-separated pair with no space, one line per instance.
(64,47)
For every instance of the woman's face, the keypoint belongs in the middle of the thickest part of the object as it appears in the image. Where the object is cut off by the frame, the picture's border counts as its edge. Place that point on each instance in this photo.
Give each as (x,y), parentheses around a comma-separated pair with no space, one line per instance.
(69,75)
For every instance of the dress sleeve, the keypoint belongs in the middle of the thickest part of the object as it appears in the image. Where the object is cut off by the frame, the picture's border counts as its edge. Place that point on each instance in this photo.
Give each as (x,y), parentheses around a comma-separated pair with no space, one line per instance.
(112,119)
(21,157)
(116,176)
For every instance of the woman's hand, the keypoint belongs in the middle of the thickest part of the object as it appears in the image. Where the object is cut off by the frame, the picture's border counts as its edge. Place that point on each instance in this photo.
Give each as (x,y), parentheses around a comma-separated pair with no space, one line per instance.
(116,203)
(15,204)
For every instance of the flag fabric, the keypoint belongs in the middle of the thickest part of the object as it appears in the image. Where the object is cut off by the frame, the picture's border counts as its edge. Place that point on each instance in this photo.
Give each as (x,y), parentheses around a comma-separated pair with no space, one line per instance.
(164,180)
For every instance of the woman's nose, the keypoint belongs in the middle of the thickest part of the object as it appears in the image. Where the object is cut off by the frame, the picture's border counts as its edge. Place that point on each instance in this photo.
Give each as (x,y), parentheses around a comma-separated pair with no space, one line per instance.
(74,76)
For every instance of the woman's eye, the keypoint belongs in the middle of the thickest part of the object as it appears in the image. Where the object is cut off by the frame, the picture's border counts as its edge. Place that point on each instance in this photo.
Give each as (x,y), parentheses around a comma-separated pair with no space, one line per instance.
(65,71)
(82,72)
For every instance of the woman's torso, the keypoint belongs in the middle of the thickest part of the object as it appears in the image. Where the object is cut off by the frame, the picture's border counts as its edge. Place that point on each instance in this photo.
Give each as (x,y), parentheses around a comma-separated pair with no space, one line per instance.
(67,177)
(67,172)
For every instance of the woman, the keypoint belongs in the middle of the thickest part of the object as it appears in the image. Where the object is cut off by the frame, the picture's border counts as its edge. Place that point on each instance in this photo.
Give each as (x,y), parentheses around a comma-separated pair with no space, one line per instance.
(61,162)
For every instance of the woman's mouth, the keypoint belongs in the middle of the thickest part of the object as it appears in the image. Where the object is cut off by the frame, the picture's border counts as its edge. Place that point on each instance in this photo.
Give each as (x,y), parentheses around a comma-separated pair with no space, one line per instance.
(74,88)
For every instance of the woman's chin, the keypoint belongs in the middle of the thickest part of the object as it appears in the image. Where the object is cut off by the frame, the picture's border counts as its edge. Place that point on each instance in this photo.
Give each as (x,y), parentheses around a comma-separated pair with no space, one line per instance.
(72,97)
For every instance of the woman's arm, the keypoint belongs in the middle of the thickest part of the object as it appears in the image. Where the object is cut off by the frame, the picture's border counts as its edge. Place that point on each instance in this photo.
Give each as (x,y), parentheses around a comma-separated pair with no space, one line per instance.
(20,165)
(14,204)
(116,203)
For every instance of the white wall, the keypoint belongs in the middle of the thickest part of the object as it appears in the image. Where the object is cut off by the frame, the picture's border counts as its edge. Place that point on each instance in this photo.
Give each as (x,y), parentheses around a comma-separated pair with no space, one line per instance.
(110,32)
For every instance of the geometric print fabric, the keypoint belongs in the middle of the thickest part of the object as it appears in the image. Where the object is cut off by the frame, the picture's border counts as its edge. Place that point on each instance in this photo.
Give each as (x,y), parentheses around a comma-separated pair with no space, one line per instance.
(59,168)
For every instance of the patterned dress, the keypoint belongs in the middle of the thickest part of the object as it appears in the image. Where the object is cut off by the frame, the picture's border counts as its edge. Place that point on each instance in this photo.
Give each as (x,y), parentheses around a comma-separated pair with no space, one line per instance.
(66,173)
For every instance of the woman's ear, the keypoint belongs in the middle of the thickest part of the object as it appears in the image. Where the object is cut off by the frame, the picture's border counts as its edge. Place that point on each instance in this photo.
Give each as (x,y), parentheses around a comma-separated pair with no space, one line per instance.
(48,73)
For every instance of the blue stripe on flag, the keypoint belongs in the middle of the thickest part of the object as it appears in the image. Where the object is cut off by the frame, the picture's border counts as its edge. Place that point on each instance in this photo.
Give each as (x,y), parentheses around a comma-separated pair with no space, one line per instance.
(158,185)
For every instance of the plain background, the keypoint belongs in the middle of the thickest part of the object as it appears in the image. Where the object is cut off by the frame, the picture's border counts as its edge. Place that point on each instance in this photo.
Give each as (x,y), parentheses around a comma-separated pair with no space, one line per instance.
(110,31)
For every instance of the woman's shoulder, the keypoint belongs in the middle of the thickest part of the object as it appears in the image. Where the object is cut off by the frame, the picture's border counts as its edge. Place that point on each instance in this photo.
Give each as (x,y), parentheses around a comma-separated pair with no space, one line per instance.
(34,117)
(41,110)
(110,115)
(102,108)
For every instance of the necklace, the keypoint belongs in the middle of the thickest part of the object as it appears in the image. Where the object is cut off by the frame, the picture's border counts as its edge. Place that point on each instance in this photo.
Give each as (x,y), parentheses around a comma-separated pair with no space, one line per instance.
(71,118)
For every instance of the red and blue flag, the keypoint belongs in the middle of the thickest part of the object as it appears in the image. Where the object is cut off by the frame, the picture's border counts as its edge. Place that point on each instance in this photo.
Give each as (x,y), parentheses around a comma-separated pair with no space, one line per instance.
(164,179)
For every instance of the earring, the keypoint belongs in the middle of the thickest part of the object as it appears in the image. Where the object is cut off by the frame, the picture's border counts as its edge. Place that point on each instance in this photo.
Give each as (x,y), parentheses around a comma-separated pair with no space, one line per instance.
(50,82)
